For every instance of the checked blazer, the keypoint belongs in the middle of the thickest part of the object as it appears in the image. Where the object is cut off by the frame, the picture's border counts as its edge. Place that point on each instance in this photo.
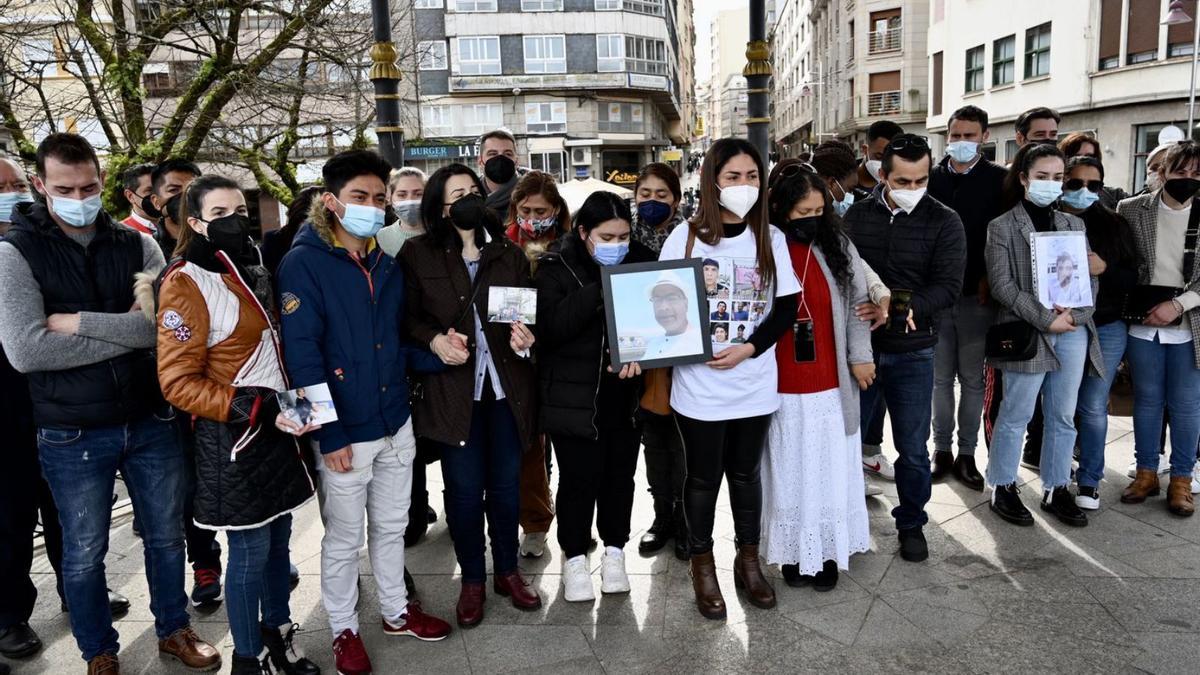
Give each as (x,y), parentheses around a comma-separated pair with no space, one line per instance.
(1141,212)
(1010,271)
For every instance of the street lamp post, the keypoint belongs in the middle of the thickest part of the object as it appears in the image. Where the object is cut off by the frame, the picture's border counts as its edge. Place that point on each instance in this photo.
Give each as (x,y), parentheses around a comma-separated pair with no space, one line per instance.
(1176,15)
(385,75)
(758,77)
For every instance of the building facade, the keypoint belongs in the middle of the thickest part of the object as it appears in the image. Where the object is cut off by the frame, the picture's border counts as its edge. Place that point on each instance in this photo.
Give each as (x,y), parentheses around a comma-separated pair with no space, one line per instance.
(728,34)
(1110,67)
(588,87)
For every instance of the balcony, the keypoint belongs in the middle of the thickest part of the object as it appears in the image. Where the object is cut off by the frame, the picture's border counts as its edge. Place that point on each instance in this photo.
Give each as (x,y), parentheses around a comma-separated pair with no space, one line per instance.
(887,40)
(883,103)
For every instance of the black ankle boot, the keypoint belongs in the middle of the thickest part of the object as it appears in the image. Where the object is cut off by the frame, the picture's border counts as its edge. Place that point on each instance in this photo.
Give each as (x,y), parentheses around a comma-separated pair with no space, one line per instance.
(1006,503)
(826,580)
(661,531)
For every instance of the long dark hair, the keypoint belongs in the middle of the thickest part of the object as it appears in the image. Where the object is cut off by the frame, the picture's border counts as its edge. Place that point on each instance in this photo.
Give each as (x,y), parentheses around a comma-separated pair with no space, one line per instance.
(193,205)
(830,236)
(601,207)
(1107,232)
(707,225)
(1026,157)
(440,229)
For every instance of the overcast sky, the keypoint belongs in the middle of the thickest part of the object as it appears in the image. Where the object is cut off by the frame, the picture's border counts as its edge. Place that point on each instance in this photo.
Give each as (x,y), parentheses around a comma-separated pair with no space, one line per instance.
(703,15)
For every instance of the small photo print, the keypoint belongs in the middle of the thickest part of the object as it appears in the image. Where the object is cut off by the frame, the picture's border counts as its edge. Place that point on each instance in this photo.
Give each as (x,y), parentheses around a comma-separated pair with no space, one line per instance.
(739,332)
(509,304)
(1060,269)
(719,333)
(717,278)
(308,405)
(748,282)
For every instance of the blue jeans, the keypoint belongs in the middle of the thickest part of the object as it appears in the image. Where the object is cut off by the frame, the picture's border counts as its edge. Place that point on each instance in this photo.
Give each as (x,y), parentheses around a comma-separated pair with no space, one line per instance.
(1164,376)
(81,466)
(1060,391)
(489,463)
(905,383)
(1092,407)
(257,577)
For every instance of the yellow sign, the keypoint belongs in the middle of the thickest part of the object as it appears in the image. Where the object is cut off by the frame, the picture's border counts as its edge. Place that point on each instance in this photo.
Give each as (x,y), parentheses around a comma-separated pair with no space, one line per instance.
(619,177)
(699,130)
(671,155)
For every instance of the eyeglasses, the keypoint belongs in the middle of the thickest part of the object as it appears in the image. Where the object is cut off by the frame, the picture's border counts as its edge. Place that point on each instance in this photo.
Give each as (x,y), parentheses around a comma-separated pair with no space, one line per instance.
(1078,183)
(911,141)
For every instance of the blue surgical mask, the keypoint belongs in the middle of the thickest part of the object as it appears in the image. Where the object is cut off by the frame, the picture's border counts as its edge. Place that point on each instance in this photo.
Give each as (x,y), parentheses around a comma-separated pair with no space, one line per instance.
(653,212)
(609,254)
(78,213)
(8,203)
(962,151)
(361,220)
(1044,192)
(1081,199)
(843,205)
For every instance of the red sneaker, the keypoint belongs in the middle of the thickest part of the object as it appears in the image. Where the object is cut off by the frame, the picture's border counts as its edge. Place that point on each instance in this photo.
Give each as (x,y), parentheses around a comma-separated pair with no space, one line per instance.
(418,624)
(349,654)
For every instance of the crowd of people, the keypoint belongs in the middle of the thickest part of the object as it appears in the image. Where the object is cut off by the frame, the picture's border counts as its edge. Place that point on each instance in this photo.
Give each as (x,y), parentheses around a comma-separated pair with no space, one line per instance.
(155,348)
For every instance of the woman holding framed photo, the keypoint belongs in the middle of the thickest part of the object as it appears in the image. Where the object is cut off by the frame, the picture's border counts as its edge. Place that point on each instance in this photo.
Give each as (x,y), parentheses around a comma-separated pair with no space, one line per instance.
(814,515)
(1060,342)
(722,408)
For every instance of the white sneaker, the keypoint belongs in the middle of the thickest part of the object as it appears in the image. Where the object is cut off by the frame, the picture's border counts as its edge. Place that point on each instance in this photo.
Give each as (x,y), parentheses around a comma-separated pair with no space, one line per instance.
(1196,479)
(577,583)
(533,544)
(878,465)
(872,489)
(1088,498)
(1164,466)
(613,578)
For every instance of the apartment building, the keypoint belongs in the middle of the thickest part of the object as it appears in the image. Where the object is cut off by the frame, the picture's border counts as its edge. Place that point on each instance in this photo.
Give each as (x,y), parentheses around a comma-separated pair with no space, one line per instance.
(727,99)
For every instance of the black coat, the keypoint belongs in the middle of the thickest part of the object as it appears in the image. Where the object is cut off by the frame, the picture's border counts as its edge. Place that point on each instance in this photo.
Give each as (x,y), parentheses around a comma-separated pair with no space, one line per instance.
(923,251)
(573,343)
(977,198)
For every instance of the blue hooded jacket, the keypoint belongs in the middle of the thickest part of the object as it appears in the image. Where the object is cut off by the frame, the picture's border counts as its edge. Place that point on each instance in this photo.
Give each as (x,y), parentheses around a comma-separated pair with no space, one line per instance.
(342,323)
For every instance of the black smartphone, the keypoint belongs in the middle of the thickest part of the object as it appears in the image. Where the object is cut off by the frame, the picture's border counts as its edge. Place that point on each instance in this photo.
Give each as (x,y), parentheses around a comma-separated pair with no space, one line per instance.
(898,310)
(804,343)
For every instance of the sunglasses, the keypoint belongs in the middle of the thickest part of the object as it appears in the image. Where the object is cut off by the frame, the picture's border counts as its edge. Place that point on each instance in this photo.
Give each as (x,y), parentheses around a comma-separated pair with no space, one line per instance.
(795,169)
(1078,183)
(918,142)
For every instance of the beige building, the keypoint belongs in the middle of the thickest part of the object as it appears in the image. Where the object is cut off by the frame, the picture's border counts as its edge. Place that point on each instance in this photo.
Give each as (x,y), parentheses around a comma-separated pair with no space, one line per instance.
(729,32)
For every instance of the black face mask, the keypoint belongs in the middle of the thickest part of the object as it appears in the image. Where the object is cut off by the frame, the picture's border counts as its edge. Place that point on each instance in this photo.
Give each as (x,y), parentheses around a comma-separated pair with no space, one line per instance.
(1182,189)
(172,207)
(500,169)
(804,230)
(230,234)
(149,208)
(468,212)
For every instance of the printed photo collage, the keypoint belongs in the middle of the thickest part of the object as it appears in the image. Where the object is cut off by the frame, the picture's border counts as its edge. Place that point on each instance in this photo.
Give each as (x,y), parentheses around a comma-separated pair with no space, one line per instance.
(737,301)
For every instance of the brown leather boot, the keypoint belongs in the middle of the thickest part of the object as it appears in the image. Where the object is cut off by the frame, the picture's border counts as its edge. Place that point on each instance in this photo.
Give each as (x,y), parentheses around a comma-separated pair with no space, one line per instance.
(1143,486)
(104,664)
(186,647)
(1179,496)
(704,582)
(748,576)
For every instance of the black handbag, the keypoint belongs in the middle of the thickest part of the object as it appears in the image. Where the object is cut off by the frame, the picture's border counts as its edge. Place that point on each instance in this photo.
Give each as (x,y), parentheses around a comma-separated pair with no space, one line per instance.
(1011,341)
(1143,298)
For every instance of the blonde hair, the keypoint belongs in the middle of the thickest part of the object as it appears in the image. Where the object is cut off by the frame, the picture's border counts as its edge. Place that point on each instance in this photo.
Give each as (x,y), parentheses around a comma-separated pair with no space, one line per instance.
(404,172)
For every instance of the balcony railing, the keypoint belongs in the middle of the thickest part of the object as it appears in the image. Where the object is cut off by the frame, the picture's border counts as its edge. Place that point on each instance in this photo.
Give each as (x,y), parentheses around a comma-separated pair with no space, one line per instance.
(887,40)
(883,103)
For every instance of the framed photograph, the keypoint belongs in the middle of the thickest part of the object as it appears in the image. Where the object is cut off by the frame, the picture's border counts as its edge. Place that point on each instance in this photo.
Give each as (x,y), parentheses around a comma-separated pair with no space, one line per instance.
(508,304)
(308,404)
(657,313)
(1060,269)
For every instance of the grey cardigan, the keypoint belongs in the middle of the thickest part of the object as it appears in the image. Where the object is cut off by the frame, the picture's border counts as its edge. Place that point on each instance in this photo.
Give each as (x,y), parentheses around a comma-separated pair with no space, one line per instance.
(1010,271)
(851,337)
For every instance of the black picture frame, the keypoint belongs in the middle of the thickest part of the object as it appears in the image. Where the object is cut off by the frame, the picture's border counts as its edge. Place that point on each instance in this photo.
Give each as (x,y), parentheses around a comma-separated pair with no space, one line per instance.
(655,274)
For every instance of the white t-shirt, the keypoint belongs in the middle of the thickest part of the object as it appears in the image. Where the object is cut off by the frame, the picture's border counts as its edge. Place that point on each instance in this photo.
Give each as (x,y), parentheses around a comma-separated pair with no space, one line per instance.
(751,389)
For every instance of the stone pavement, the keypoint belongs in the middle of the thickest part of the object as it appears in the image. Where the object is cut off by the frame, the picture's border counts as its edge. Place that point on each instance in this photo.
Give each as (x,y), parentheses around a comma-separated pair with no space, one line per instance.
(1118,596)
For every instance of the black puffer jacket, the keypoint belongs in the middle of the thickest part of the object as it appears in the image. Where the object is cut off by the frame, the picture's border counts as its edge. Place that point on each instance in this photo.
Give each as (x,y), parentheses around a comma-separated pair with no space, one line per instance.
(923,251)
(573,344)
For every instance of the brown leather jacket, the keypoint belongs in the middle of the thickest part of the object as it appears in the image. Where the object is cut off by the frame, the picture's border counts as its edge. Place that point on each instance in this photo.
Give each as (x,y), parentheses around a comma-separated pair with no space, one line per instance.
(440,297)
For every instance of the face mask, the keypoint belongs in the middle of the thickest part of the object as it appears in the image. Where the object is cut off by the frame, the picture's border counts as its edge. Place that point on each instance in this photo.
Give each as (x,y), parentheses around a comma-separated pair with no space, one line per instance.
(1043,192)
(653,212)
(537,227)
(609,254)
(962,151)
(150,209)
(361,220)
(873,167)
(408,211)
(739,199)
(467,212)
(804,229)
(9,201)
(843,205)
(1153,182)
(171,208)
(1181,189)
(230,234)
(907,199)
(1080,199)
(77,212)
(500,169)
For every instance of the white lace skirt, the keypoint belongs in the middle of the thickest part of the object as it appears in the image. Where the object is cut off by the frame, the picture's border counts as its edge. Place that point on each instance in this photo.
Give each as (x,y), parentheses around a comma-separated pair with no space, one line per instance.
(812,478)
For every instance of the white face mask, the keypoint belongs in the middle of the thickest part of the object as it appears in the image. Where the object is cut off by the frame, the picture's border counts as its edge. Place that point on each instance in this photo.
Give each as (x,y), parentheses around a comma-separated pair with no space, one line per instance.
(739,199)
(873,167)
(907,199)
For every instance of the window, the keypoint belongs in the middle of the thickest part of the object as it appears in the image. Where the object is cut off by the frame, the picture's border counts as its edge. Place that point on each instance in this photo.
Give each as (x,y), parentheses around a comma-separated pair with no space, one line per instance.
(435,120)
(478,118)
(1110,34)
(610,53)
(645,55)
(549,162)
(974,74)
(427,4)
(1004,53)
(479,55)
(41,57)
(1141,38)
(546,117)
(1037,51)
(935,102)
(541,5)
(651,7)
(433,55)
(1179,36)
(885,31)
(621,117)
(545,54)
(1146,139)
(1010,150)
(475,5)
(851,32)
(602,5)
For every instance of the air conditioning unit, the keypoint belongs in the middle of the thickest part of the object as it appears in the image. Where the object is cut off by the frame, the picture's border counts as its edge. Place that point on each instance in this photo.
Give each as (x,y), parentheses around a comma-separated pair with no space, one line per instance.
(581,156)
